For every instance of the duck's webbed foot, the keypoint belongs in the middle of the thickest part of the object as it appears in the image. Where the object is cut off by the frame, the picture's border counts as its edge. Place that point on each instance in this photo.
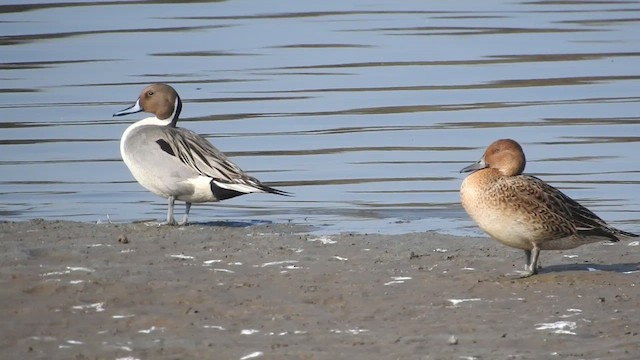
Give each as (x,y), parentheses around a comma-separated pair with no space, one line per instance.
(170,219)
(185,220)
(530,266)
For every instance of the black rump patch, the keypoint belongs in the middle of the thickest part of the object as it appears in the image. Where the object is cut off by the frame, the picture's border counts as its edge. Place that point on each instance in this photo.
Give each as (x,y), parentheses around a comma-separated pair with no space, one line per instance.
(222,194)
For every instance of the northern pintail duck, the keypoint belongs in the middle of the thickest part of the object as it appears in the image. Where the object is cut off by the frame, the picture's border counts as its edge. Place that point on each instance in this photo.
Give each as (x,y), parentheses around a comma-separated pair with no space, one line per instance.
(523,211)
(177,163)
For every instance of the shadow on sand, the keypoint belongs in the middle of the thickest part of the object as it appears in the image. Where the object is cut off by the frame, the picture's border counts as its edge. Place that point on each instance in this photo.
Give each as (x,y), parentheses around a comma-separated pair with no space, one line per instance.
(618,268)
(232,223)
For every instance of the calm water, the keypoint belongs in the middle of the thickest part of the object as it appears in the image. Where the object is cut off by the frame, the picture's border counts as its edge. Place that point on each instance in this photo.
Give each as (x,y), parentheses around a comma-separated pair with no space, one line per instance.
(366,110)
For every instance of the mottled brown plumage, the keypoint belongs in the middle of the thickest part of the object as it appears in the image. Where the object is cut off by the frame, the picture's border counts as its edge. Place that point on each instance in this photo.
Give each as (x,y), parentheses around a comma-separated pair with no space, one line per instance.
(523,211)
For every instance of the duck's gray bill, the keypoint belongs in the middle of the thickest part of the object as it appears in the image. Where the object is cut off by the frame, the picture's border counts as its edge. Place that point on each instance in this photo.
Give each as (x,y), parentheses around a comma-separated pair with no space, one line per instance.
(475,166)
(130,110)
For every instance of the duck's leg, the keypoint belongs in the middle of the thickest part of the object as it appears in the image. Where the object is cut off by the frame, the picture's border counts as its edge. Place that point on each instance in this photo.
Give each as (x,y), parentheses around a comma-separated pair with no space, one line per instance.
(531,267)
(533,264)
(185,221)
(527,259)
(170,219)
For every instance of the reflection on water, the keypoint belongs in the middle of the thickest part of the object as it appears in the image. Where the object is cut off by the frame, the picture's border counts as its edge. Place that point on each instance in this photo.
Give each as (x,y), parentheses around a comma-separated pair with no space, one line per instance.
(366,111)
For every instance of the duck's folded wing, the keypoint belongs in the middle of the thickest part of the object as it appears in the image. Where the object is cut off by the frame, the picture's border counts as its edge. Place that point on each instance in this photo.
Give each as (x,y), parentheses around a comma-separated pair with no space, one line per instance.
(199,154)
(586,222)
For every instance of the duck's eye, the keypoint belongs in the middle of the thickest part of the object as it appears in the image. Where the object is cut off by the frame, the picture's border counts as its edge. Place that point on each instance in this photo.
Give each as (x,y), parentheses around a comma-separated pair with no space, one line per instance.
(150,93)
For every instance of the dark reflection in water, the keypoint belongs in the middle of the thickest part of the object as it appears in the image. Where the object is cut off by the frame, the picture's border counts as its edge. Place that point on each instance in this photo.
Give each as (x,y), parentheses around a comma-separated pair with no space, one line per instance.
(364,111)
(21,39)
(493,60)
(13,8)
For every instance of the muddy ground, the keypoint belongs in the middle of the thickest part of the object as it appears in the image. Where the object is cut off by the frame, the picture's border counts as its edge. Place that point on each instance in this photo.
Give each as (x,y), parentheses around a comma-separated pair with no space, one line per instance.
(240,291)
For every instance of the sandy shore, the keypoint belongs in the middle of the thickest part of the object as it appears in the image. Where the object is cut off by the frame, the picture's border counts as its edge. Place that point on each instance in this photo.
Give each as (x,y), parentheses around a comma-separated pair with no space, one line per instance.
(234,291)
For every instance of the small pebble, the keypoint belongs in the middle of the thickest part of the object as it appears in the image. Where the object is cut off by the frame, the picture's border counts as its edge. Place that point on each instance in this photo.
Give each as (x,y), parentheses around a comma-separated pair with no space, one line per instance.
(453,340)
(123,239)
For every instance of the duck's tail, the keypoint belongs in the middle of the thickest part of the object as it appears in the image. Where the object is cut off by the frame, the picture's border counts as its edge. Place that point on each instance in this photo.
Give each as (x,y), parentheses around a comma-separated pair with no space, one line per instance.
(624,235)
(270,190)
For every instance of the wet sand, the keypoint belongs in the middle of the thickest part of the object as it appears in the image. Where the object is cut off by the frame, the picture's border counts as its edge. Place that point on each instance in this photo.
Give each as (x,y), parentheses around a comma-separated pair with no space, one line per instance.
(240,291)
